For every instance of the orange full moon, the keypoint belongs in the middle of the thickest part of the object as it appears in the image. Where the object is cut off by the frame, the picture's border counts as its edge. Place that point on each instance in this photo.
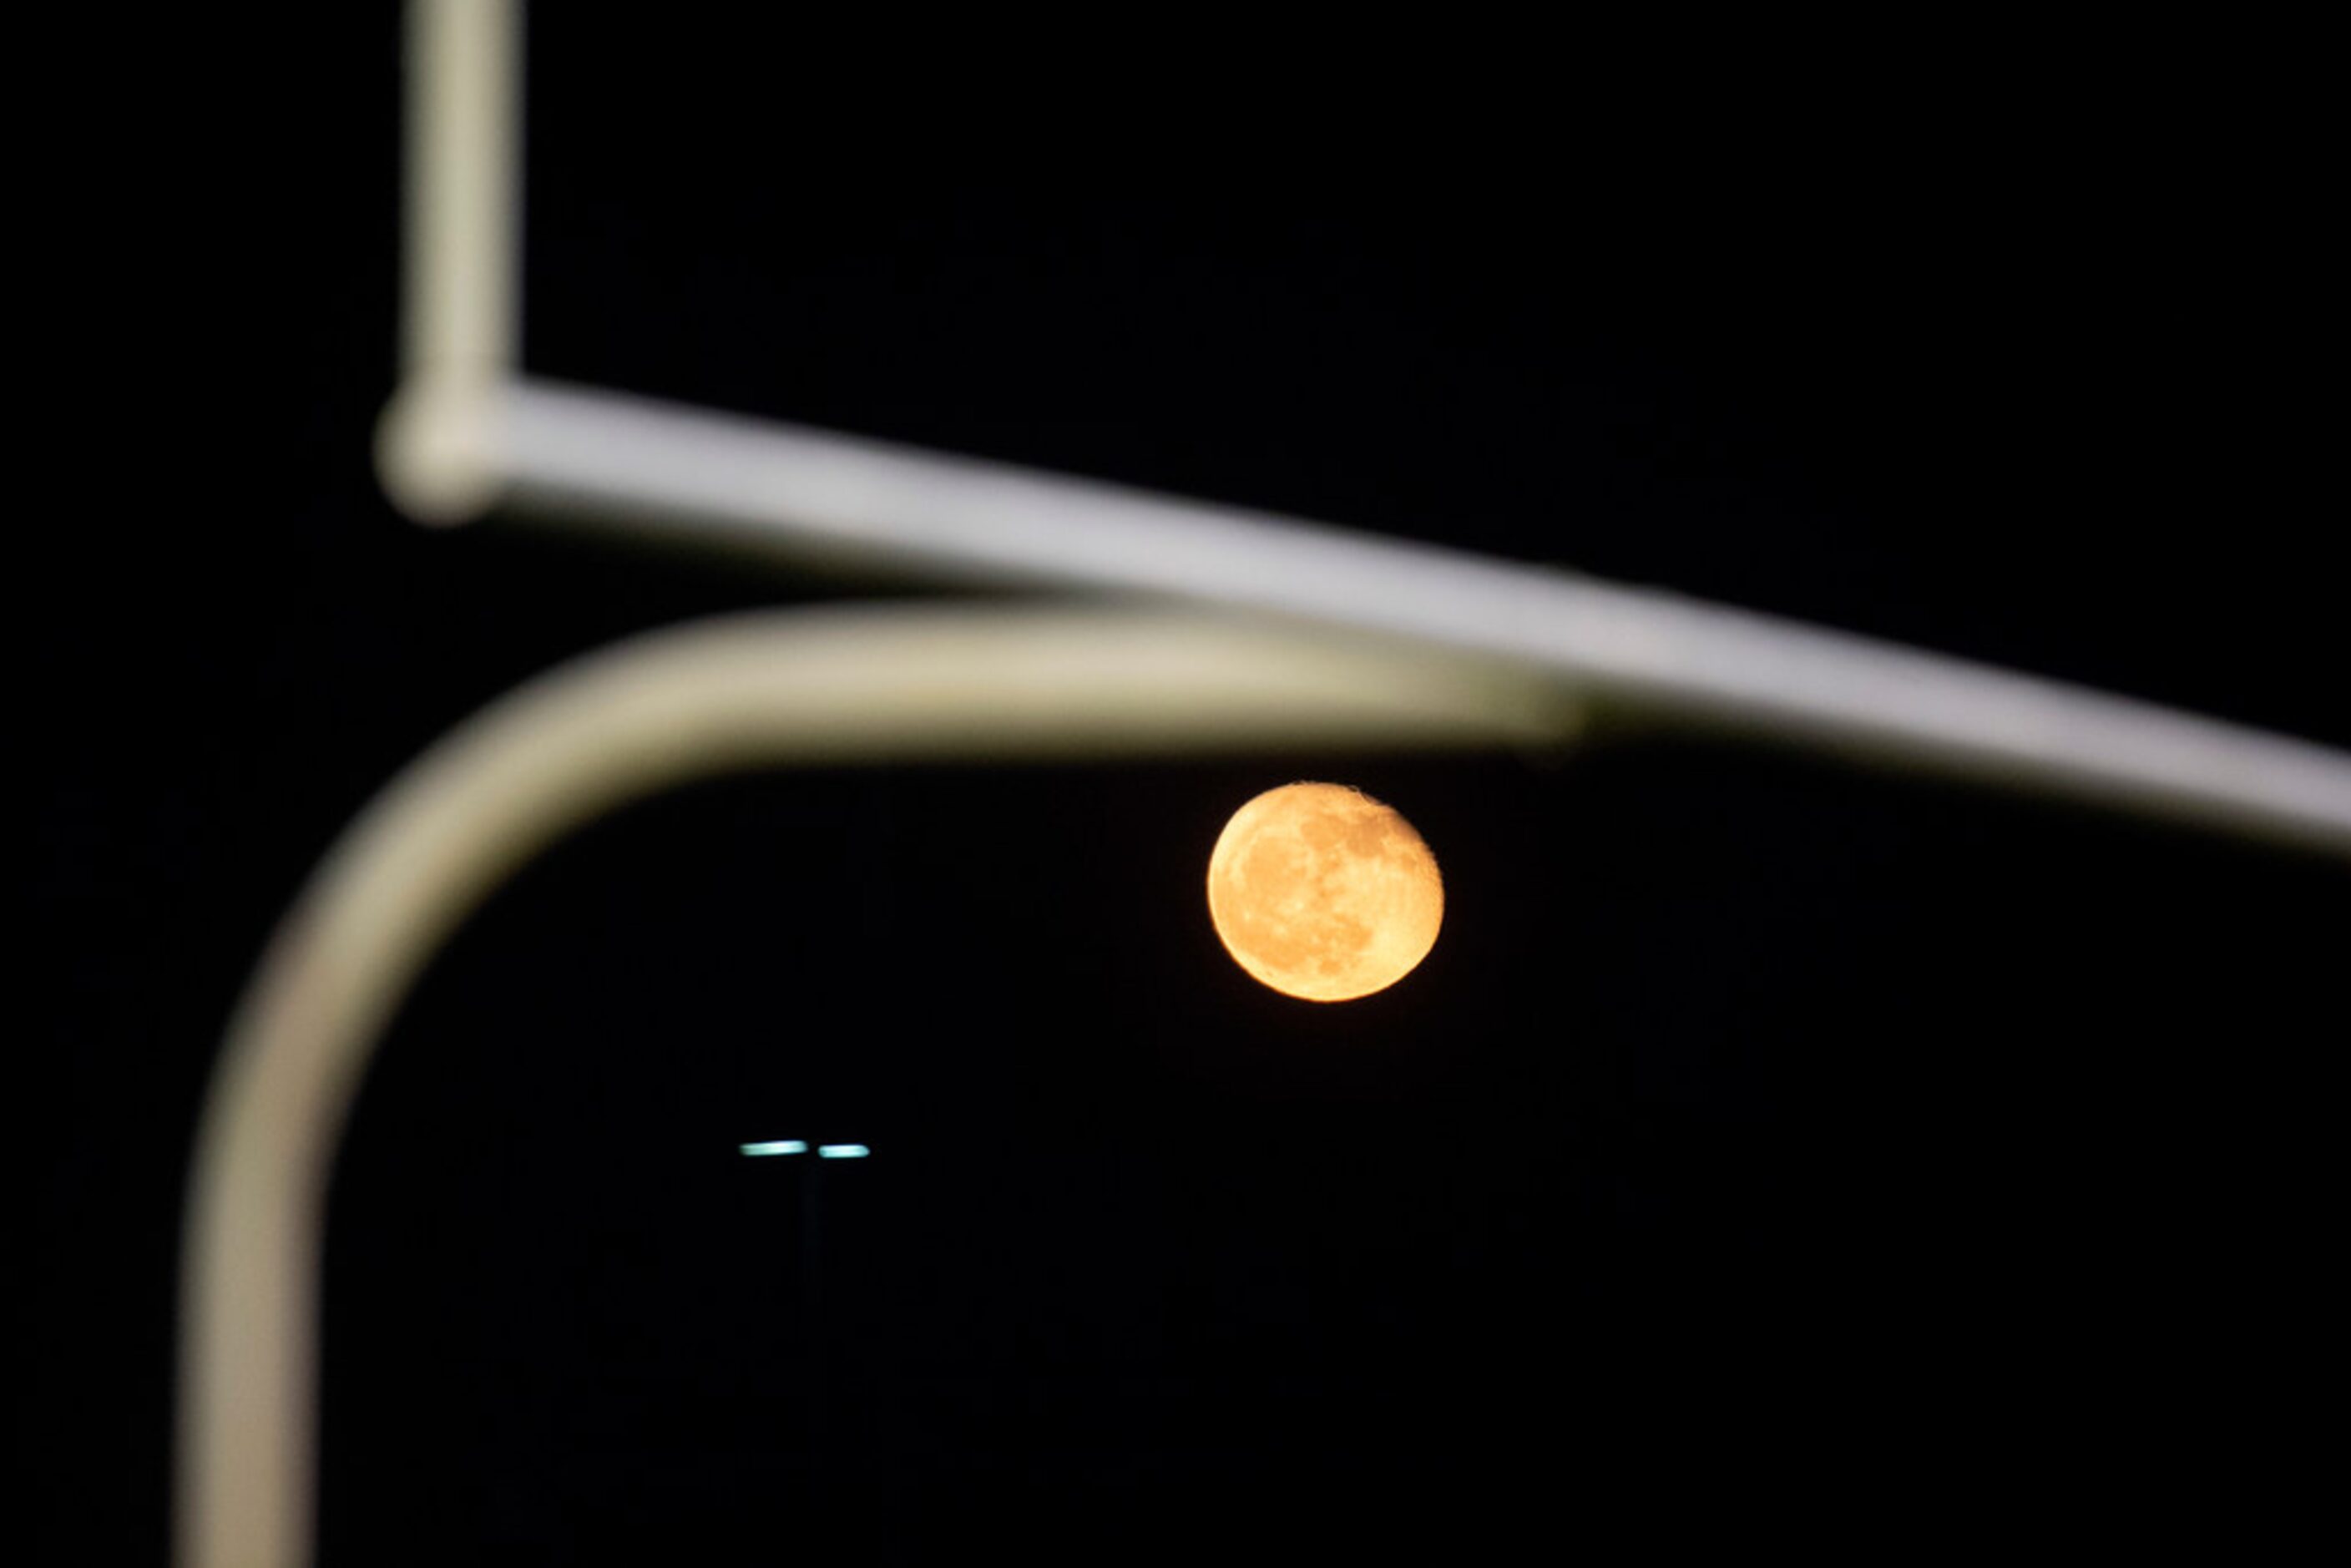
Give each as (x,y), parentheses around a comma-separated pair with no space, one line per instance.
(1322,893)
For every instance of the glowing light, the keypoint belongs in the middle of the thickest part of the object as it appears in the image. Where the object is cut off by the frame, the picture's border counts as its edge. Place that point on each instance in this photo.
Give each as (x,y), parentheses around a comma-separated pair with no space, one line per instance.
(842,1151)
(782,1146)
(1324,894)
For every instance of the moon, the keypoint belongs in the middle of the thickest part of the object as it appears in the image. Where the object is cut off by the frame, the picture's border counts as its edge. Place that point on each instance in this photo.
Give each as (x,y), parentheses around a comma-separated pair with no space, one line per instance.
(1324,893)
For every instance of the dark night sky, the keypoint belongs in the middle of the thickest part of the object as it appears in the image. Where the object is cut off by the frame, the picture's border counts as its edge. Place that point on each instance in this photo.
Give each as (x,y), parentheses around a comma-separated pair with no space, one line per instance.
(1769,1150)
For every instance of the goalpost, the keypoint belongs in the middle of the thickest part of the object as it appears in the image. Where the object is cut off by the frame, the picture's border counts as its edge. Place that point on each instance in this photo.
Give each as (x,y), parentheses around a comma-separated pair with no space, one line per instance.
(471,430)
(1266,631)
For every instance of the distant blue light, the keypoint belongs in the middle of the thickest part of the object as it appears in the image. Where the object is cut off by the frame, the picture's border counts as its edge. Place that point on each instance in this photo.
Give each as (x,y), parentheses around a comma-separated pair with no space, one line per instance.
(784,1146)
(842,1151)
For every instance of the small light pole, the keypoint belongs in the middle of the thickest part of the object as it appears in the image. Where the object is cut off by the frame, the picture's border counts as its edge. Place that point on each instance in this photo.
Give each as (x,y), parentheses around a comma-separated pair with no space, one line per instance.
(811,1261)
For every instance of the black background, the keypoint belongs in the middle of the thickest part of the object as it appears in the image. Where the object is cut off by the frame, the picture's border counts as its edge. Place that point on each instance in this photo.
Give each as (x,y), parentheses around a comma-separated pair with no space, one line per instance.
(1769,1150)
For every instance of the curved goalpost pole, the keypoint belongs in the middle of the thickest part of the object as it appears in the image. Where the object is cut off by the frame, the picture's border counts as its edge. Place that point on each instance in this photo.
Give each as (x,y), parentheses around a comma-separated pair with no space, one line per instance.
(788,688)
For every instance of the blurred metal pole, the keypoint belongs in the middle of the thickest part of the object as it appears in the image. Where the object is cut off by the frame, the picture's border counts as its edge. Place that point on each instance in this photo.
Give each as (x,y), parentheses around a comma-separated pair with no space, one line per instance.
(461,272)
(467,433)
(672,472)
(788,688)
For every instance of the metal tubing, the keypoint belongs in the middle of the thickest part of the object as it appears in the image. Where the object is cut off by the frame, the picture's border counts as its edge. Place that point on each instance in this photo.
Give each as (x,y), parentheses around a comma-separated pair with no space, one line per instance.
(785,688)
(460,312)
(672,472)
